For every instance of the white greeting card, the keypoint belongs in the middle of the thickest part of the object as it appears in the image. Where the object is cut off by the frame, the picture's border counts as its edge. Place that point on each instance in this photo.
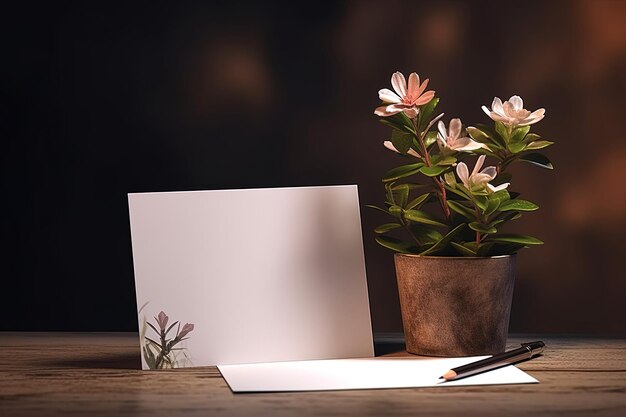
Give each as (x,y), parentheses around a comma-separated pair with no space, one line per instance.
(244,276)
(370,373)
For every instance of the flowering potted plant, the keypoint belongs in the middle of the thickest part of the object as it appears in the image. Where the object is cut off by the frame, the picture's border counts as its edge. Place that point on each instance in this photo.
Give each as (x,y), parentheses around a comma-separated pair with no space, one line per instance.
(455,269)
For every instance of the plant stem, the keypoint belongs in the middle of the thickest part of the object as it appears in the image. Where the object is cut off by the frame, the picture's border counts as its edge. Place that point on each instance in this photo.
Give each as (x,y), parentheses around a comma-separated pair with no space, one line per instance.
(502,165)
(420,138)
(427,161)
(479,218)
(443,199)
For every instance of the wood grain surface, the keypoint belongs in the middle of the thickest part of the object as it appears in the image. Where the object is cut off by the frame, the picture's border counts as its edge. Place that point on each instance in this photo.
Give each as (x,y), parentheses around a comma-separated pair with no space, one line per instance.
(97,374)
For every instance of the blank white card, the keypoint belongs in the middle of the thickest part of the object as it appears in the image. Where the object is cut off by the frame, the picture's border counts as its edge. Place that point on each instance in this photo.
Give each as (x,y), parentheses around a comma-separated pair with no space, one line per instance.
(262,274)
(370,373)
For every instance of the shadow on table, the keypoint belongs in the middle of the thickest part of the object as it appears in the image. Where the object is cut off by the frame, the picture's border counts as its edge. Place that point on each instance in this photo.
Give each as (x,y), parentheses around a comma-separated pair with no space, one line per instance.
(383,344)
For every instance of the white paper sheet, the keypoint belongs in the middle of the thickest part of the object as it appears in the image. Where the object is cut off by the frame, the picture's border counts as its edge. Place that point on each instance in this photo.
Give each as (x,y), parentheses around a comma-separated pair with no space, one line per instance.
(263,274)
(368,373)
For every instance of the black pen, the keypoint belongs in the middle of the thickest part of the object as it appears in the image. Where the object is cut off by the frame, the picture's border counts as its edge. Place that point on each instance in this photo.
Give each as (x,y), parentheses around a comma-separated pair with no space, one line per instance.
(527,351)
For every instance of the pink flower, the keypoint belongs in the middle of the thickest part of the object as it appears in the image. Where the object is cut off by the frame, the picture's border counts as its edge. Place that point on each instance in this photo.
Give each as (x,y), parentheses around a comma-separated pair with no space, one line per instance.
(452,139)
(161,320)
(188,327)
(479,180)
(512,112)
(407,97)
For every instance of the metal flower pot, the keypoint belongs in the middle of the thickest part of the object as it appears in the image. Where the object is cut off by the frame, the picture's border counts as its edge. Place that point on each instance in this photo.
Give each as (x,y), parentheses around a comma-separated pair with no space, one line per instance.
(455,306)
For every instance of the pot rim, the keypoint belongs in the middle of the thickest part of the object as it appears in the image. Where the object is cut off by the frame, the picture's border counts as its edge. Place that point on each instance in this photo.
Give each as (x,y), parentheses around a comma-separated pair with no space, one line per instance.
(414,255)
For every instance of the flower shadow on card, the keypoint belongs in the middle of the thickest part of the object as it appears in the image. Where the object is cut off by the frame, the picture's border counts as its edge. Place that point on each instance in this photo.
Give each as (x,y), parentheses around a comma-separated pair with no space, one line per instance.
(164,351)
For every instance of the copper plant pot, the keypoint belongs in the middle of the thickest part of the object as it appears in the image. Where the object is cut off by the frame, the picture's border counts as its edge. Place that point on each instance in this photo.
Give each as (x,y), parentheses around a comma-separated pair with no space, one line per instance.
(455,306)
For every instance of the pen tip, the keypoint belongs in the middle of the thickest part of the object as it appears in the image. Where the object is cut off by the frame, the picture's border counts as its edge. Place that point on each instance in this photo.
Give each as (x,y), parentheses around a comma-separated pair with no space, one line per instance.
(440,377)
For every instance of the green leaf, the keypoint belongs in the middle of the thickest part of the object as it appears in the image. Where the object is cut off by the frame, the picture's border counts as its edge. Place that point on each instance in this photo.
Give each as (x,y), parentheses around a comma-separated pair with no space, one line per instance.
(517,147)
(502,131)
(505,217)
(495,200)
(519,133)
(445,160)
(448,160)
(490,131)
(471,245)
(417,201)
(395,244)
(421,217)
(502,195)
(478,135)
(401,194)
(384,228)
(392,124)
(538,144)
(481,228)
(405,120)
(488,152)
(396,124)
(425,234)
(401,141)
(461,209)
(443,242)
(482,200)
(377,208)
(433,171)
(537,159)
(402,171)
(462,249)
(492,205)
(531,137)
(459,190)
(389,192)
(512,238)
(430,138)
(396,211)
(507,248)
(426,112)
(518,205)
(411,186)
(484,248)
(450,179)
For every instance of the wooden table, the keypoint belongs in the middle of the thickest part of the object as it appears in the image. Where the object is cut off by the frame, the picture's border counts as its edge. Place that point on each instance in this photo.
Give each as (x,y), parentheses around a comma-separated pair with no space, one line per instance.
(97,374)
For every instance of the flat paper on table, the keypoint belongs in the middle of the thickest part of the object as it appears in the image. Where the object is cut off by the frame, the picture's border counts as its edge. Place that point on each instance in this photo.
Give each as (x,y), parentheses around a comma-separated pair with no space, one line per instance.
(368,373)
(263,274)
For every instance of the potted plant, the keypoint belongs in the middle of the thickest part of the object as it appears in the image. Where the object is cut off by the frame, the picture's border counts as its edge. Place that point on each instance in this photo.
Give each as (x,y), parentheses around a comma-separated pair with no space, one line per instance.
(454,267)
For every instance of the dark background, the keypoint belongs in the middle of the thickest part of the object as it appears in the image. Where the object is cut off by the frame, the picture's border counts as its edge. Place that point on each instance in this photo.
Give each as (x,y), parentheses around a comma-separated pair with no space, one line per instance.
(102,99)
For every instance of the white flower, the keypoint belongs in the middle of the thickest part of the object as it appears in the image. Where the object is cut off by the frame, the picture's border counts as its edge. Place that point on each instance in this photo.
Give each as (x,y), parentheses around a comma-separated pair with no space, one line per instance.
(498,188)
(450,139)
(478,180)
(512,112)
(390,146)
(407,97)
